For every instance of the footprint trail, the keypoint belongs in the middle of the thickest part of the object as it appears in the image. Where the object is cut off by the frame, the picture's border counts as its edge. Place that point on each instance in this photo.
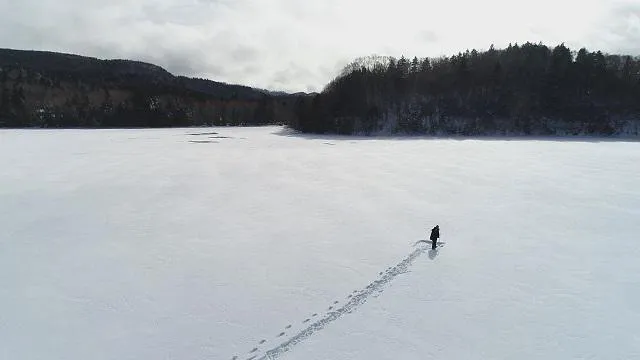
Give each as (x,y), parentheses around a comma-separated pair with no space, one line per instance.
(357,299)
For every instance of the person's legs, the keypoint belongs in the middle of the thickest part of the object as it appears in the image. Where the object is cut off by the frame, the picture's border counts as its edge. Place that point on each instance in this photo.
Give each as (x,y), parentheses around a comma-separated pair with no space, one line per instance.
(433,244)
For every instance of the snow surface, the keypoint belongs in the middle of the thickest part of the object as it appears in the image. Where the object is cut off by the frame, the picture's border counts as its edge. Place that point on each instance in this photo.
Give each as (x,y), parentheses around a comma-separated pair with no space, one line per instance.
(161,244)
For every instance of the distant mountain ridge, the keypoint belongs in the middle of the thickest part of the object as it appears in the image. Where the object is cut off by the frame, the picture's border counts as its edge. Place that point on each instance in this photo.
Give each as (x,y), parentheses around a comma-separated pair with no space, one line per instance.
(44,89)
(70,63)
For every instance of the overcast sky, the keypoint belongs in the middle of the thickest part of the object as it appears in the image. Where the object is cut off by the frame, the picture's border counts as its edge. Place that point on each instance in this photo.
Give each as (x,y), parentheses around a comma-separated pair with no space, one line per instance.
(299,45)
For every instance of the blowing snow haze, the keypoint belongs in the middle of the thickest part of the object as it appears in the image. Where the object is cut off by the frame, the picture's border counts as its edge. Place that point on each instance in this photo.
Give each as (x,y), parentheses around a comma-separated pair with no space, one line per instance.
(295,45)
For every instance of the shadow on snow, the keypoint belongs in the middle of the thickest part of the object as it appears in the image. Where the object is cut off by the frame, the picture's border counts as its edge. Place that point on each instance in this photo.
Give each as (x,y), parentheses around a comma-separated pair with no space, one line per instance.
(288,132)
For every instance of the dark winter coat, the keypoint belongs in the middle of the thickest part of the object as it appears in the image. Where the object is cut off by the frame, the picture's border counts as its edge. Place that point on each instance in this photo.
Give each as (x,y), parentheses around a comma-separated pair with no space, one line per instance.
(435,234)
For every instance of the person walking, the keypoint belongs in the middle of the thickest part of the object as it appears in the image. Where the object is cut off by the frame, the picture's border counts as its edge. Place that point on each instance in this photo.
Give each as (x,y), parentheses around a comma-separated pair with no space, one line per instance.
(435,234)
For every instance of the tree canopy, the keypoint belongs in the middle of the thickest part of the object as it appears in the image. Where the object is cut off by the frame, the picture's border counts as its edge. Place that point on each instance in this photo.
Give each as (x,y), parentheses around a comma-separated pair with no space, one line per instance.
(529,88)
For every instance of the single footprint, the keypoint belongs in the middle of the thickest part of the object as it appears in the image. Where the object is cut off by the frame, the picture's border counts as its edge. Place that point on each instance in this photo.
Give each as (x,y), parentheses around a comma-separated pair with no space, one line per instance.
(254,350)
(306,321)
(253,357)
(234,358)
(288,327)
(335,302)
(263,341)
(349,297)
(315,314)
(281,334)
(330,307)
(380,273)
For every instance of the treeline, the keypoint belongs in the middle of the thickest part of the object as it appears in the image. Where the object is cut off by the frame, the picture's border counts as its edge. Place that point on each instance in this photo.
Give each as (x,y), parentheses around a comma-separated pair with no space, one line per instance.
(44,89)
(523,89)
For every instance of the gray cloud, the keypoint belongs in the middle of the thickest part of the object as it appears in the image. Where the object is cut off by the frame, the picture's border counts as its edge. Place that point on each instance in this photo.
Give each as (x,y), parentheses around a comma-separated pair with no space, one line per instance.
(625,25)
(427,36)
(299,45)
(244,53)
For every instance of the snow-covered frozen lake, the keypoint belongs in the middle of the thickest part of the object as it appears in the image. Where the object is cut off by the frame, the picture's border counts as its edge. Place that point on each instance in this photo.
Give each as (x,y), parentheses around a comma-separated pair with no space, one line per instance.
(164,244)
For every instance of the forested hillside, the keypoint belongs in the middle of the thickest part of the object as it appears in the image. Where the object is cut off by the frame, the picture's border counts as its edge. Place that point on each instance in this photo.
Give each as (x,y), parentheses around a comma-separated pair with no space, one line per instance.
(45,89)
(521,90)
